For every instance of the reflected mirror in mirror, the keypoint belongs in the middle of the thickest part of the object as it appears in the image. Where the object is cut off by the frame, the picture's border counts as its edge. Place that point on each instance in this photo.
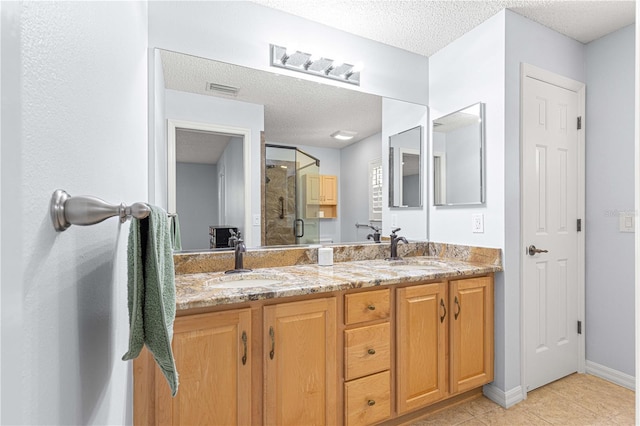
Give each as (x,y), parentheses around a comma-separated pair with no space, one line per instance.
(458,164)
(405,177)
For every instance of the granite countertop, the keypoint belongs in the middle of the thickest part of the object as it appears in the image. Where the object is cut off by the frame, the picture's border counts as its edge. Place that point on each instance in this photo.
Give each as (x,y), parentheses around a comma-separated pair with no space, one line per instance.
(202,290)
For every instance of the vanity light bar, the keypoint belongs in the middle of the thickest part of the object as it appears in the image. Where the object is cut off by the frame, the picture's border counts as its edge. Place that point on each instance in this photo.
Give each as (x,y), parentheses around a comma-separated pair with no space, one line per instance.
(308,64)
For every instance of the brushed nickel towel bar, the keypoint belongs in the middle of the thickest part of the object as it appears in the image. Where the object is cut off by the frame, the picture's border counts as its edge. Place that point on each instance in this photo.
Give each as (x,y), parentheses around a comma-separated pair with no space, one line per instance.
(85,210)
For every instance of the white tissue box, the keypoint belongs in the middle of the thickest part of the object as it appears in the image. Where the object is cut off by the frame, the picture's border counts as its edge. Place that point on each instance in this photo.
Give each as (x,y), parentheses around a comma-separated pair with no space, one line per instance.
(325,256)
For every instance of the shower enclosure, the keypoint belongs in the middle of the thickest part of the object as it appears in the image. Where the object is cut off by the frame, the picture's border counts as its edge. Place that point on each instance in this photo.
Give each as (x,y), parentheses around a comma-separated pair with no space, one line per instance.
(291,215)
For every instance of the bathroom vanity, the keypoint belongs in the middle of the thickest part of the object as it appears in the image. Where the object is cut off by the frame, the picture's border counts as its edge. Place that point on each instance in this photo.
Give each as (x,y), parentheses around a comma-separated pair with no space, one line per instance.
(360,342)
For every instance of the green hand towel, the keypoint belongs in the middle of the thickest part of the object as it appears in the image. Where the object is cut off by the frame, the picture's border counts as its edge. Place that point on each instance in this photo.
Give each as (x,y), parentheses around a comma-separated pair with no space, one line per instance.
(176,239)
(152,292)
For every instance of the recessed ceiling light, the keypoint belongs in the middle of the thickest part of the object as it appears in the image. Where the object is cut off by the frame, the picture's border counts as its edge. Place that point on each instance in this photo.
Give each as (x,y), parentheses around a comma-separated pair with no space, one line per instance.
(344,135)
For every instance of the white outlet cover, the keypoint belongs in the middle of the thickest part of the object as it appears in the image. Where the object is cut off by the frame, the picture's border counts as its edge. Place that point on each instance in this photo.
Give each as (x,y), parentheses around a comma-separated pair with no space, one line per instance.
(256,220)
(477,223)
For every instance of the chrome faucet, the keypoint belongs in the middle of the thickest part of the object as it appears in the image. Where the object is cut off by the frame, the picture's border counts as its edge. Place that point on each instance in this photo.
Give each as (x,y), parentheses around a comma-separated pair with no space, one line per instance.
(394,244)
(239,251)
(376,234)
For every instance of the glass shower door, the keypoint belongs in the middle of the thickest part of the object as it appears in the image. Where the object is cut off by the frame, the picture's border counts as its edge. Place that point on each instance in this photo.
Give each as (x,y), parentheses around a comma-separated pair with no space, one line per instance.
(291,196)
(307,224)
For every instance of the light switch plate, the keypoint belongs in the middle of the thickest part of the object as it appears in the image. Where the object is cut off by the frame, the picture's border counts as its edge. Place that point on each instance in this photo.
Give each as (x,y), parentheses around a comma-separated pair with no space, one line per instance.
(394,220)
(627,222)
(477,223)
(256,220)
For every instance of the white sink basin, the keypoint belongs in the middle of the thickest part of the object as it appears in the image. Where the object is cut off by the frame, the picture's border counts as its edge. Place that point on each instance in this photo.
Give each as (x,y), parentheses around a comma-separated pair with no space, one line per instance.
(417,266)
(243,283)
(408,263)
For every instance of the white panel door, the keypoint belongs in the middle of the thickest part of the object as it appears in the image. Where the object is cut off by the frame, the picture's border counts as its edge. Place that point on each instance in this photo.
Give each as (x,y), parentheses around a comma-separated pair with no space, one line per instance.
(550,213)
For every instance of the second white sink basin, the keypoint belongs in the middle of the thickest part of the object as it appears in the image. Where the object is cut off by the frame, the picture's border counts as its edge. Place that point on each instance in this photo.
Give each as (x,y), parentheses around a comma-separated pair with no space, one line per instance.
(243,283)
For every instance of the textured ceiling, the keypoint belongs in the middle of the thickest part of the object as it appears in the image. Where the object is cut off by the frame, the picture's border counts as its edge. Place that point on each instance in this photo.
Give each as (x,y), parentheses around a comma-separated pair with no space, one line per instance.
(297,112)
(195,146)
(424,27)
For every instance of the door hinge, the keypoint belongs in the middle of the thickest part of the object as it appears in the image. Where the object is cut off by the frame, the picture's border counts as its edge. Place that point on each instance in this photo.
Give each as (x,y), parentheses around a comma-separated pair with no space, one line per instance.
(579,225)
(579,327)
(579,123)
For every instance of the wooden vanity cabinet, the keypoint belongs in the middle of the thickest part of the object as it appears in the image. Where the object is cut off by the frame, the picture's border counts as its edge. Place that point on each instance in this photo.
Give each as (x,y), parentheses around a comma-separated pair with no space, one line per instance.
(300,363)
(367,357)
(212,355)
(444,337)
(421,336)
(471,331)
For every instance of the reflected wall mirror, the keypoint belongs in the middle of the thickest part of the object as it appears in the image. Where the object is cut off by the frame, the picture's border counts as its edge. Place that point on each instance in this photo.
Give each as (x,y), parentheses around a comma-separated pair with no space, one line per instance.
(405,170)
(278,110)
(458,157)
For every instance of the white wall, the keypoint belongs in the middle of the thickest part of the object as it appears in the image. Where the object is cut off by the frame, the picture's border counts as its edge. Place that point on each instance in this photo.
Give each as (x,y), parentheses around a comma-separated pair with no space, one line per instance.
(240,33)
(354,186)
(225,112)
(74,115)
(467,71)
(610,172)
(398,116)
(196,203)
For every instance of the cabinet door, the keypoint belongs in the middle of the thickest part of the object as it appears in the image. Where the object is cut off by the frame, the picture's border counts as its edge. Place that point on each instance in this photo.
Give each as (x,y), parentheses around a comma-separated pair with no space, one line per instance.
(421,345)
(313,189)
(329,189)
(300,363)
(471,331)
(213,358)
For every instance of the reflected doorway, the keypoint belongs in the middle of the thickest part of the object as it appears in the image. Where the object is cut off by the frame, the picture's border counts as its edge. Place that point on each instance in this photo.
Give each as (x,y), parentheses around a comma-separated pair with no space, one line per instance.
(207,173)
(291,210)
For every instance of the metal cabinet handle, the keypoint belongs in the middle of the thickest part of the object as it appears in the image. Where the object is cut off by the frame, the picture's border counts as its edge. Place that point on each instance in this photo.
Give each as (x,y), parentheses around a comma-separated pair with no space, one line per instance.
(455,300)
(244,342)
(533,250)
(273,342)
(442,305)
(371,351)
(371,307)
(371,403)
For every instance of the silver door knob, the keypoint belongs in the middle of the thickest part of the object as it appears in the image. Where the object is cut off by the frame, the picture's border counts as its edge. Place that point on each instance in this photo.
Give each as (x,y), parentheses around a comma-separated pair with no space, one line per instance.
(533,250)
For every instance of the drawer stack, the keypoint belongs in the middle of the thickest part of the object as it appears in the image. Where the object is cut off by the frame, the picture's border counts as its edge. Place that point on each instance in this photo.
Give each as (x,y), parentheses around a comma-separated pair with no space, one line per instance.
(367,357)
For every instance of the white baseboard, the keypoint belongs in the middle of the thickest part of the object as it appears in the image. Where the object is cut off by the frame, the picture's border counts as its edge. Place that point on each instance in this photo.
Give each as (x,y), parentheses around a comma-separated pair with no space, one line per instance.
(504,399)
(611,375)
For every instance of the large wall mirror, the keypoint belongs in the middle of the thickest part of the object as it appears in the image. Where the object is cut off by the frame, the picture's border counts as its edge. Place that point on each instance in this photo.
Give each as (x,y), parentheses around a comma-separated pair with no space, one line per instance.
(405,168)
(458,157)
(235,105)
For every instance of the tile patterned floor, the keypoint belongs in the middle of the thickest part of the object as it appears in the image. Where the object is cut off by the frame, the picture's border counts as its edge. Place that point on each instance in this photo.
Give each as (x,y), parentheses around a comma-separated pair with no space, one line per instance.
(579,399)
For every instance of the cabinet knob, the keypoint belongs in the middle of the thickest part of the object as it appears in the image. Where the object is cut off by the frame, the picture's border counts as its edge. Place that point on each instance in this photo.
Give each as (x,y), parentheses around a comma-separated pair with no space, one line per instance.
(371,403)
(371,351)
(371,307)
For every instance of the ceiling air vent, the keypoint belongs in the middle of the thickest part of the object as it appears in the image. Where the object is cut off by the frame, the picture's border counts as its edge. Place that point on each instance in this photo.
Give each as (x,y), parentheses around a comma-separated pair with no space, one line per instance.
(221,88)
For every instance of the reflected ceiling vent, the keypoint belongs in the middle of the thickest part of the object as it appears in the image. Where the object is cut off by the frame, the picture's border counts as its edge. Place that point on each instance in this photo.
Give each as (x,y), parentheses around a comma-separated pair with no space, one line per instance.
(221,88)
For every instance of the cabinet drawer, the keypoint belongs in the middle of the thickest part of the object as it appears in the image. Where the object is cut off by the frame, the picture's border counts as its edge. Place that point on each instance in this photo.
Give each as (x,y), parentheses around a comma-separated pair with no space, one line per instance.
(366,306)
(366,350)
(367,400)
